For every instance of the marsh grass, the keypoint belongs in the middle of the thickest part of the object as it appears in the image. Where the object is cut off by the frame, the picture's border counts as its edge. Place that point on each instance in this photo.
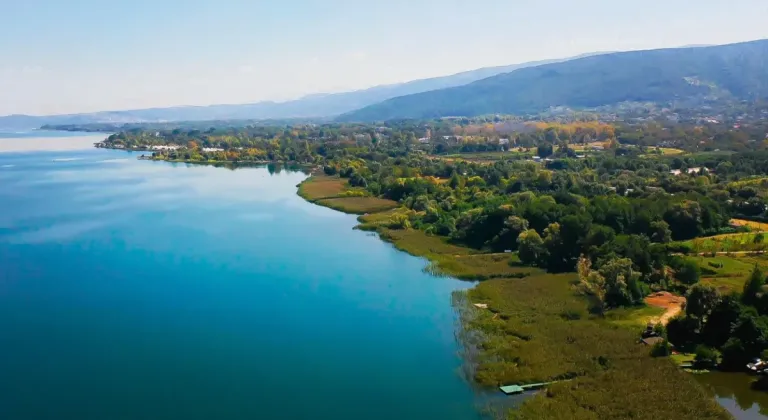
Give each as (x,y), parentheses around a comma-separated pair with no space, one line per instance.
(538,329)
(358,205)
(318,187)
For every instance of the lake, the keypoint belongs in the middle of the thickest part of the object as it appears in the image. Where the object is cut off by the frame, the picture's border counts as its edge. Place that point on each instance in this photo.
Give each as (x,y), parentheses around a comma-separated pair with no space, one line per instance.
(147,290)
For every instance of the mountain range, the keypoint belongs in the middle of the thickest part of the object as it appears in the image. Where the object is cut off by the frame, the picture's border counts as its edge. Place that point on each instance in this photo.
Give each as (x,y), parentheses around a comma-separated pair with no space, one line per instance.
(311,106)
(690,74)
(734,71)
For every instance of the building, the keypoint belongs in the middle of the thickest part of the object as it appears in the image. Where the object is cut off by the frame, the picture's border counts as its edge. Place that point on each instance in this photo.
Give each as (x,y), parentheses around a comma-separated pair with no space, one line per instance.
(651,341)
(169,147)
(696,170)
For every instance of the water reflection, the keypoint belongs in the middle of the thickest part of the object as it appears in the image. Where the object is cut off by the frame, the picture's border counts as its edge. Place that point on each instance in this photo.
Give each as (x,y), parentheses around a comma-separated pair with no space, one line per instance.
(733,391)
(32,144)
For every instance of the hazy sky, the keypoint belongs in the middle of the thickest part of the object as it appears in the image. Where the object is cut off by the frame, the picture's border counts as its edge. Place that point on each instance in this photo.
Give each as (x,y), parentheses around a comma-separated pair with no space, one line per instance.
(61,56)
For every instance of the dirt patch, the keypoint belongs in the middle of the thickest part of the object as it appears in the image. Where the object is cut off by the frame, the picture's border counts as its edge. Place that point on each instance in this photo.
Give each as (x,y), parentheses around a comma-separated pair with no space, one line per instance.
(673,305)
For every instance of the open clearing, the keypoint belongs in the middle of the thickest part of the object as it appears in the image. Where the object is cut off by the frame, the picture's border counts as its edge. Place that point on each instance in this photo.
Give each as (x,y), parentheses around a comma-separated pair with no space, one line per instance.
(672,305)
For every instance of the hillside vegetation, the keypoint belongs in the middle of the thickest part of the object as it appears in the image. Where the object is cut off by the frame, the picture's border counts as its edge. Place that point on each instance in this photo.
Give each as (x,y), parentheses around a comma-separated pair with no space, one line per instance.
(730,71)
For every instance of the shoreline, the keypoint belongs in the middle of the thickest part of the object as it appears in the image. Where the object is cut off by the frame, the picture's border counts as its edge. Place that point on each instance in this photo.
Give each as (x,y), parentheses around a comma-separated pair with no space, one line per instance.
(531,327)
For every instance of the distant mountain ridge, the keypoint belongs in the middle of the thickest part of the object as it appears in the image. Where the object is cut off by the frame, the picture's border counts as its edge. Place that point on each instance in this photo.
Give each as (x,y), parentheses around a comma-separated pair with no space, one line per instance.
(737,71)
(310,106)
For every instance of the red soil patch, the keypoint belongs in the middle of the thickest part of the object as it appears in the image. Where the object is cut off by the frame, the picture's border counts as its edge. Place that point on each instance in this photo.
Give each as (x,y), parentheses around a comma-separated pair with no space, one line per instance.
(672,303)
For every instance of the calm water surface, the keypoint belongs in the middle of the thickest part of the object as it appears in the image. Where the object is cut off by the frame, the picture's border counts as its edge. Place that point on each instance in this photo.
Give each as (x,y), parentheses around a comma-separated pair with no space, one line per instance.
(146,290)
(733,391)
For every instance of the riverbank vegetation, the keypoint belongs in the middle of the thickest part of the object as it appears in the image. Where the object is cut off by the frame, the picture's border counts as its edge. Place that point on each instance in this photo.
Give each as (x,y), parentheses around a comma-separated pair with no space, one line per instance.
(335,192)
(570,224)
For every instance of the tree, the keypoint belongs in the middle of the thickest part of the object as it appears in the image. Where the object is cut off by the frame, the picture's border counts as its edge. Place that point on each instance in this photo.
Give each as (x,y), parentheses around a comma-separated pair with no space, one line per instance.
(456,181)
(688,272)
(551,136)
(753,286)
(701,300)
(734,354)
(706,357)
(592,283)
(530,247)
(621,282)
(614,284)
(681,331)
(721,321)
(660,232)
(545,150)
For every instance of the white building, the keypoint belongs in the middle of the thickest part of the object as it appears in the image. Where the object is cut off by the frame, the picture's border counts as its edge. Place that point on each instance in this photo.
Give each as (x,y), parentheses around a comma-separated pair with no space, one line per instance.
(168,147)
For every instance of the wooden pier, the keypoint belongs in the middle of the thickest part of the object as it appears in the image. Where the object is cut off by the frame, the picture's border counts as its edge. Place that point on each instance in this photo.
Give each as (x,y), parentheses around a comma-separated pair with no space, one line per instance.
(519,389)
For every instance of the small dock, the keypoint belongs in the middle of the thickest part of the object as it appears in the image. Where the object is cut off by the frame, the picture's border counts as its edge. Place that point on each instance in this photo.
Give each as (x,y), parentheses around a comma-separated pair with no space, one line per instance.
(519,389)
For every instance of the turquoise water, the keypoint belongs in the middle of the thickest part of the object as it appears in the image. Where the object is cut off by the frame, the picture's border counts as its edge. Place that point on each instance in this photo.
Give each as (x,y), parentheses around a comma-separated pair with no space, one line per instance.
(145,290)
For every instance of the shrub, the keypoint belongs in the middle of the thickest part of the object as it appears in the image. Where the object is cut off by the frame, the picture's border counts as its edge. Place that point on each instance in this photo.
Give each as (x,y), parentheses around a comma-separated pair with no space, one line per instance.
(661,349)
(706,357)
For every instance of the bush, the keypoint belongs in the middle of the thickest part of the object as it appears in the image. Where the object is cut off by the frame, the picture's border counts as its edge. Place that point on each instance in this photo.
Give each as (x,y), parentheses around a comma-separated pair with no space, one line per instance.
(661,349)
(734,354)
(706,357)
(681,248)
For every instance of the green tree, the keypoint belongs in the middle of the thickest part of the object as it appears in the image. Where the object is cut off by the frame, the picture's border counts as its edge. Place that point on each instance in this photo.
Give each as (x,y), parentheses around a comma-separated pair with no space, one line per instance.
(660,232)
(681,331)
(701,300)
(753,286)
(706,357)
(621,282)
(545,150)
(721,321)
(688,272)
(530,247)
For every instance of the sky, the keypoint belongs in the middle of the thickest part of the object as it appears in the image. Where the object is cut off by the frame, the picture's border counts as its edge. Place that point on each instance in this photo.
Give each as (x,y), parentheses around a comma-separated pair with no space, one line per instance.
(60,57)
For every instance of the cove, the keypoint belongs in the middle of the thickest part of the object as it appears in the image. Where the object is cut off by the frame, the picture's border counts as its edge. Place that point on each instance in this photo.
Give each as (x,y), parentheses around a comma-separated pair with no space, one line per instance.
(135,289)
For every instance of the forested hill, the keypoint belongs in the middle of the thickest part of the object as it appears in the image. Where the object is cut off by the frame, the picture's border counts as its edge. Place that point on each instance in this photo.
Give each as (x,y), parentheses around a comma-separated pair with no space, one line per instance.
(311,106)
(738,71)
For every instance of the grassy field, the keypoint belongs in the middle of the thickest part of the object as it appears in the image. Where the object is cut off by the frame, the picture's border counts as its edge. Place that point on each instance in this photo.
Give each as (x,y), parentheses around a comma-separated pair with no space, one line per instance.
(484,157)
(634,318)
(668,151)
(728,273)
(578,147)
(539,329)
(731,242)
